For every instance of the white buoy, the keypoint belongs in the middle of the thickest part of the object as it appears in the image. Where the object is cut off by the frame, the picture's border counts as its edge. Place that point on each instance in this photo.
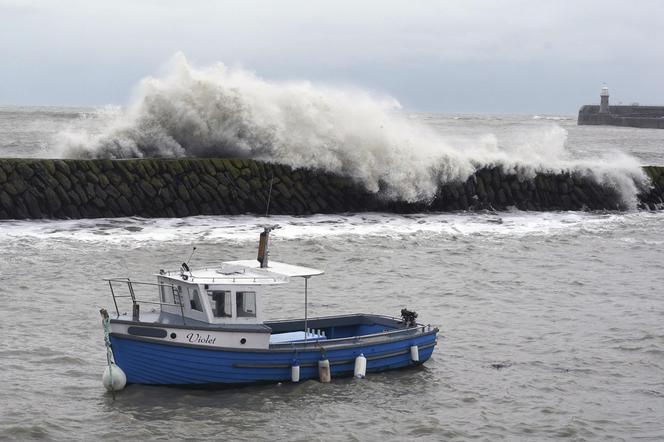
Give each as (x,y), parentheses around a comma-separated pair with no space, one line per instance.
(414,353)
(295,372)
(119,378)
(324,371)
(360,366)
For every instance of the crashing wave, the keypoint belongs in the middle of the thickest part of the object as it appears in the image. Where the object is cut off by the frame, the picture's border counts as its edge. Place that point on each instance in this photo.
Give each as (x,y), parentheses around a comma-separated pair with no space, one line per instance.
(223,112)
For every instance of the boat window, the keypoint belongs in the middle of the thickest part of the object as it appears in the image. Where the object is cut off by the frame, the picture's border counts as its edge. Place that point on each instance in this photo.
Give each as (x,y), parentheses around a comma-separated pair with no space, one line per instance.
(246,304)
(195,301)
(220,300)
(162,292)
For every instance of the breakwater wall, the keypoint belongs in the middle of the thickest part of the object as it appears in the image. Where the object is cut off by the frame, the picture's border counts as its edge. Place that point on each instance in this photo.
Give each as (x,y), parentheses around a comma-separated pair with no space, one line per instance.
(650,117)
(44,188)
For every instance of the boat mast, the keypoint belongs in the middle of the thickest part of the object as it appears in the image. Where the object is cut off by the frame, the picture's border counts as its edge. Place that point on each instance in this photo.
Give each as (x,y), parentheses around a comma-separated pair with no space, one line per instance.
(263,245)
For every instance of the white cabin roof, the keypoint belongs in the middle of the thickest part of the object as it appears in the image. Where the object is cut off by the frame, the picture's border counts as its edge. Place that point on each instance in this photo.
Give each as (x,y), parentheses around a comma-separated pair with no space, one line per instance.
(278,268)
(245,272)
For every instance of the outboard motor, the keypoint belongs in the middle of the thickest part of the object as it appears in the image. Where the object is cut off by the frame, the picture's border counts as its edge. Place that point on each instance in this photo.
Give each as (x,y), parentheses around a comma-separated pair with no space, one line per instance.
(409,318)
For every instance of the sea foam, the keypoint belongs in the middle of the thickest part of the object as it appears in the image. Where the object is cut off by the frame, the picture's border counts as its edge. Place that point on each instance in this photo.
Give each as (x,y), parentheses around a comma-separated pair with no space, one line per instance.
(219,111)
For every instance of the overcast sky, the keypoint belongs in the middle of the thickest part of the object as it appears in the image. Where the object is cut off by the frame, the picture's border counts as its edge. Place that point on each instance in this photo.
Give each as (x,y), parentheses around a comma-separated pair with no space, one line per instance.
(508,56)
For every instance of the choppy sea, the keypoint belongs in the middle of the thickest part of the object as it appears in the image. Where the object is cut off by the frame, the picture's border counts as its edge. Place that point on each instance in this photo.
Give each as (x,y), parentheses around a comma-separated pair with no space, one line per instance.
(552,324)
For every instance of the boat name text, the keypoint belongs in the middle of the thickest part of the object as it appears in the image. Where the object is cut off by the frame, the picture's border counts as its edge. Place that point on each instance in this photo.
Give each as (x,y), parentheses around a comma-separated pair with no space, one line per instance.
(200,339)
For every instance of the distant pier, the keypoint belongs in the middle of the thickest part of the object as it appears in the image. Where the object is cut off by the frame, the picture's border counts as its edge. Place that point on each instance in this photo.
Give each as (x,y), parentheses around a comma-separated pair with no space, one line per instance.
(650,117)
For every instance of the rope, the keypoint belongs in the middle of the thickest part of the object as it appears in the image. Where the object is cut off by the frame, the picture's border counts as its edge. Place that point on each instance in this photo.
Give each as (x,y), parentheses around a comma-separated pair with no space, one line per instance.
(106,323)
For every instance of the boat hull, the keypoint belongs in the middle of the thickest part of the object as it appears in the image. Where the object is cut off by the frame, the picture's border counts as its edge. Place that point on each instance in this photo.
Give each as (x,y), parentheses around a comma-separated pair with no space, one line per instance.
(145,361)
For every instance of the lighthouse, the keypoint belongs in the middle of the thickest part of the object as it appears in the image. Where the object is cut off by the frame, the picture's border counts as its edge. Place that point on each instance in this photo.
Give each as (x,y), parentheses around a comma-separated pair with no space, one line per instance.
(604,101)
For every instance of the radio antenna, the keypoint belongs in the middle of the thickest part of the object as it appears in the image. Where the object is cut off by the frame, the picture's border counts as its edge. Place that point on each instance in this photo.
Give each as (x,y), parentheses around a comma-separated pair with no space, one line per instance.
(185,266)
(269,196)
(190,256)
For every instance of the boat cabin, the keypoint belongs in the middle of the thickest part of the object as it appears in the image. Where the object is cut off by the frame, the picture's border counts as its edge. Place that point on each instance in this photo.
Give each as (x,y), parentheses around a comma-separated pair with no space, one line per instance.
(230,295)
(221,306)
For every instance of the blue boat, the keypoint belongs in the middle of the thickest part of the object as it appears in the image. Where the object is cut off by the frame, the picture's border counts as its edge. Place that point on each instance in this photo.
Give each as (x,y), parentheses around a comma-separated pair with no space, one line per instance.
(206,327)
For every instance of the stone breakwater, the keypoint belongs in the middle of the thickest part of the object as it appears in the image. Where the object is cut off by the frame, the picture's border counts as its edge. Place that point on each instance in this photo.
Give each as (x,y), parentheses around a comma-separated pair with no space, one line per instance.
(649,117)
(47,188)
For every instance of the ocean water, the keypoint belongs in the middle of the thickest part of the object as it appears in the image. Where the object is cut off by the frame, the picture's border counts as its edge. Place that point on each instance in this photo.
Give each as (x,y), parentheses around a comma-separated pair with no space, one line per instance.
(551,323)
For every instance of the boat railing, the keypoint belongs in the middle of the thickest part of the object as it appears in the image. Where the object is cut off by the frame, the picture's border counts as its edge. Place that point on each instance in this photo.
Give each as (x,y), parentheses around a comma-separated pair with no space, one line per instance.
(222,278)
(131,293)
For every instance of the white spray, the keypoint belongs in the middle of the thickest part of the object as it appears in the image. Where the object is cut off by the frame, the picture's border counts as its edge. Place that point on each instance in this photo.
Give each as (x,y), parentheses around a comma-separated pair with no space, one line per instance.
(224,112)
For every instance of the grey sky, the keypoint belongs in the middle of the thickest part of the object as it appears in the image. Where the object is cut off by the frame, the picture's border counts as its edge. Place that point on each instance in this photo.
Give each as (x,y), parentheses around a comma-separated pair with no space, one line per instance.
(451,56)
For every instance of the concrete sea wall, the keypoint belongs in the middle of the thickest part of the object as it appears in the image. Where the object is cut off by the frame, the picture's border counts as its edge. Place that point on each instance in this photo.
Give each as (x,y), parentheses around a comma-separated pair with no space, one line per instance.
(650,117)
(45,188)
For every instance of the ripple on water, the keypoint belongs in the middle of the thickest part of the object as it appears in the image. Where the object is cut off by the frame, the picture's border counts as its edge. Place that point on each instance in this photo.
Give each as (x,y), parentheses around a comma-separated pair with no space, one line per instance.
(25,432)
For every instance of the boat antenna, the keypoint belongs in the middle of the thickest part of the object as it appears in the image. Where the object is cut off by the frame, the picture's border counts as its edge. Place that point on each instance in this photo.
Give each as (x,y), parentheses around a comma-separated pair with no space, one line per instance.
(185,265)
(269,196)
(190,256)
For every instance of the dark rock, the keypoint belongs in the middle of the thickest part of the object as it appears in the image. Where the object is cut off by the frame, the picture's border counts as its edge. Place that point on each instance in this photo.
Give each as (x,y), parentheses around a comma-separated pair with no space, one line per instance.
(103,181)
(62,179)
(125,190)
(32,205)
(282,190)
(25,170)
(195,197)
(126,173)
(148,189)
(157,183)
(72,212)
(100,193)
(63,195)
(6,201)
(210,169)
(49,166)
(92,177)
(232,170)
(62,166)
(113,207)
(181,208)
(183,192)
(20,211)
(114,178)
(193,208)
(106,164)
(112,191)
(15,187)
(243,185)
(52,201)
(125,206)
(150,168)
(82,194)
(204,195)
(166,195)
(137,205)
